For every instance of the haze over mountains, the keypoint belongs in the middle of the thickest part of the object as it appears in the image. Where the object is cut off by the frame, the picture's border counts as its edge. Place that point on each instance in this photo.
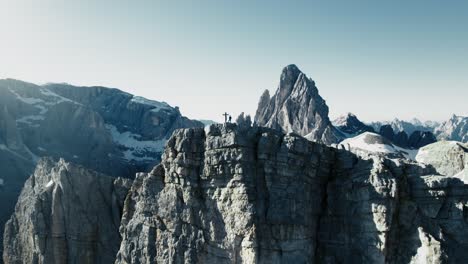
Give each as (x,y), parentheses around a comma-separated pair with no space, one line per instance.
(291,187)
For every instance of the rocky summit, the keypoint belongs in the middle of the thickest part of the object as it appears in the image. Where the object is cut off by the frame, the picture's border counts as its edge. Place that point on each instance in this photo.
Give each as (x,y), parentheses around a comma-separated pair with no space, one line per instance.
(297,107)
(447,157)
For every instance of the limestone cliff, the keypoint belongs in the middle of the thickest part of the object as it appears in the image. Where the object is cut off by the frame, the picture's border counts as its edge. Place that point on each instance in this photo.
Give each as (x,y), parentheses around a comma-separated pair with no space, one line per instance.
(66,214)
(235,194)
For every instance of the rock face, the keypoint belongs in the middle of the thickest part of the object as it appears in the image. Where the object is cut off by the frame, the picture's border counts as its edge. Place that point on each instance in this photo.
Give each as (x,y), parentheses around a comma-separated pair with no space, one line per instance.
(456,128)
(103,129)
(66,214)
(416,140)
(253,195)
(420,139)
(351,126)
(297,107)
(227,197)
(447,157)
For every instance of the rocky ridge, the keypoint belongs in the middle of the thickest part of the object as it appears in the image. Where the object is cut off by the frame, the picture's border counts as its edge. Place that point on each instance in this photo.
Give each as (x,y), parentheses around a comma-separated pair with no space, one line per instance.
(447,157)
(297,107)
(253,195)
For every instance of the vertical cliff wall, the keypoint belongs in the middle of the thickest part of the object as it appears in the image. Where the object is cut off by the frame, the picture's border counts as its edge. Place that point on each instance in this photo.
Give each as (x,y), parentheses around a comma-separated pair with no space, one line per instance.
(65,214)
(241,194)
(234,194)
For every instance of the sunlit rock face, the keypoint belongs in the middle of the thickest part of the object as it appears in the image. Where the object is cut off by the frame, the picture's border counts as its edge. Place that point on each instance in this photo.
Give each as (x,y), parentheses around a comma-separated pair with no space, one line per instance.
(449,158)
(297,107)
(66,214)
(235,194)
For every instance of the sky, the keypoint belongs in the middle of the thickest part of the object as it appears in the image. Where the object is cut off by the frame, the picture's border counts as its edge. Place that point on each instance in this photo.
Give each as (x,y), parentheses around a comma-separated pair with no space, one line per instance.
(376,59)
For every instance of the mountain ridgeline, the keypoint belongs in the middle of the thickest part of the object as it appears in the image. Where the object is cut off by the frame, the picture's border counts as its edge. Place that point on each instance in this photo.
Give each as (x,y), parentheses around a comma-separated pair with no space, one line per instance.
(117,178)
(240,194)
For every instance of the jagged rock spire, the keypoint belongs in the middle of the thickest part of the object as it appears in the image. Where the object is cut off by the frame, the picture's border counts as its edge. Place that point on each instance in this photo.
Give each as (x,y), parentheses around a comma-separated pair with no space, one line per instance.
(297,107)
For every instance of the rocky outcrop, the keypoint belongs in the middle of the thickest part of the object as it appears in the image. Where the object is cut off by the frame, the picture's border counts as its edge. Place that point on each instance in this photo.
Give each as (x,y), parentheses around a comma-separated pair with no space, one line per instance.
(297,107)
(66,214)
(227,196)
(449,158)
(103,129)
(253,195)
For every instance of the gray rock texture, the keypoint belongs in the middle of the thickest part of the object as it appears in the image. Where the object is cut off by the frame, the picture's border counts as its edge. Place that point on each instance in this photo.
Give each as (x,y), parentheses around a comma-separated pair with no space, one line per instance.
(297,107)
(66,214)
(103,129)
(235,194)
(456,128)
(449,158)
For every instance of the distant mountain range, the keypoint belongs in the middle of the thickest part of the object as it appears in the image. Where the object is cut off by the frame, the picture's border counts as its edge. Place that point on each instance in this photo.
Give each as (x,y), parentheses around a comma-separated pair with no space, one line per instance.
(455,128)
(298,107)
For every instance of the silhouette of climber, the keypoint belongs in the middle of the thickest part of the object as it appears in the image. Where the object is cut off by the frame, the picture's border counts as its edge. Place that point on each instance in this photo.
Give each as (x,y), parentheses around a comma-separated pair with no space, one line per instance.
(230,118)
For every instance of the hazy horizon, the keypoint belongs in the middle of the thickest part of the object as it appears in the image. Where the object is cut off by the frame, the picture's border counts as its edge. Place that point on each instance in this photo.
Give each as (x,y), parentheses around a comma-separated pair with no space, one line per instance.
(379,61)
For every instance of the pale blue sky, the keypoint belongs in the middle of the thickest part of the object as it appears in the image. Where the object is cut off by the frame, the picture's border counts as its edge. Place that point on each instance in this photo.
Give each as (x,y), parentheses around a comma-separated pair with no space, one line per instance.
(377,59)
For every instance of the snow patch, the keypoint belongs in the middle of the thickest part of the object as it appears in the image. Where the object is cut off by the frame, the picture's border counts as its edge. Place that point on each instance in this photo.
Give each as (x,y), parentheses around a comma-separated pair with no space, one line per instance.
(375,143)
(50,183)
(136,149)
(157,105)
(26,100)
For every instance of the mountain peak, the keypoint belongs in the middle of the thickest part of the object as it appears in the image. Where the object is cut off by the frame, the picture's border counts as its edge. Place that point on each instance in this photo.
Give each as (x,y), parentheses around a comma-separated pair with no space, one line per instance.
(350,125)
(291,68)
(297,107)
